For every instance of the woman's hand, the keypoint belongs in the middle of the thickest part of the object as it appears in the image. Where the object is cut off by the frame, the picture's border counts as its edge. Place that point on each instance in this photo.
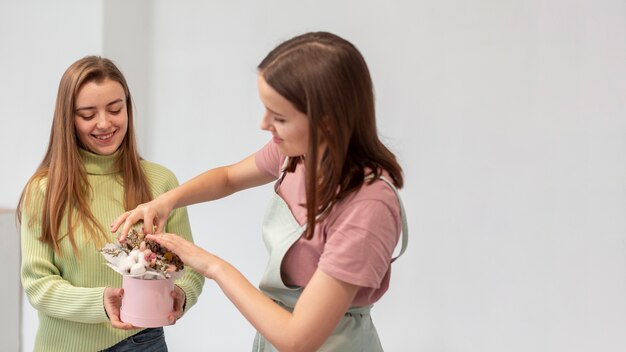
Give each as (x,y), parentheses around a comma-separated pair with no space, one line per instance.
(193,256)
(153,213)
(112,304)
(179,303)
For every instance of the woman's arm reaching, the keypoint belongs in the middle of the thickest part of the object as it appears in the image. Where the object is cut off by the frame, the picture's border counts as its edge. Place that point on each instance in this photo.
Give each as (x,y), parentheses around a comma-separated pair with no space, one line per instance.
(321,306)
(210,185)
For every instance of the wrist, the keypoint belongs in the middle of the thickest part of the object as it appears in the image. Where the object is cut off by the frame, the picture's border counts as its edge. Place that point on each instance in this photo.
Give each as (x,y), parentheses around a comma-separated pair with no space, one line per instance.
(169,200)
(215,268)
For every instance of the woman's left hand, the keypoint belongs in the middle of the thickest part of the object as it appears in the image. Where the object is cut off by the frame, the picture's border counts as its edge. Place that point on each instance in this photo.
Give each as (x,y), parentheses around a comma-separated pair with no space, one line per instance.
(191,255)
(179,302)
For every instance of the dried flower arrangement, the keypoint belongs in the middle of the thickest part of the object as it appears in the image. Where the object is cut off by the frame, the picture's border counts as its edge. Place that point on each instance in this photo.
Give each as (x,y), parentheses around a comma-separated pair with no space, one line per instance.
(141,258)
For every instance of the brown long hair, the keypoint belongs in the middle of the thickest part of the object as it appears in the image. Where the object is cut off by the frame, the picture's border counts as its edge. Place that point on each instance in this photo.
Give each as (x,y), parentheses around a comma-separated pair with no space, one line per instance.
(325,77)
(62,171)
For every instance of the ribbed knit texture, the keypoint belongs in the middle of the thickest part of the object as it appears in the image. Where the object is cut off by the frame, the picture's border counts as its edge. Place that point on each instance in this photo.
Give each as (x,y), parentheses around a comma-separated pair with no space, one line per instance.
(67,289)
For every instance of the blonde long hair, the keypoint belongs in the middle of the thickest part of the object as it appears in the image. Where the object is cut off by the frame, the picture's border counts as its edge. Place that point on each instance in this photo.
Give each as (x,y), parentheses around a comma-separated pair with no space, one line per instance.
(66,186)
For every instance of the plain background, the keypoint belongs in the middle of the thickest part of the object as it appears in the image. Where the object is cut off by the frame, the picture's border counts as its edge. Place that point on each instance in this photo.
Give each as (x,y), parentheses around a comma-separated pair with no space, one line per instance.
(509,118)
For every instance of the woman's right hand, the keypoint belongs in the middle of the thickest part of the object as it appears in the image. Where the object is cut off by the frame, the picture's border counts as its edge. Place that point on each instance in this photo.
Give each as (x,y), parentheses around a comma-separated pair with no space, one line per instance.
(153,213)
(112,303)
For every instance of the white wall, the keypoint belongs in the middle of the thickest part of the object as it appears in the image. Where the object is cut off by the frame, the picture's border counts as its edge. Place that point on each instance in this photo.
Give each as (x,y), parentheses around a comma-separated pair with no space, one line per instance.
(11,298)
(508,116)
(39,39)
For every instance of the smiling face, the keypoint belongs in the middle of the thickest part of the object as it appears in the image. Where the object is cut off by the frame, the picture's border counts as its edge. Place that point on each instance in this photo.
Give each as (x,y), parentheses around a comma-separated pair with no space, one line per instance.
(100,116)
(289,126)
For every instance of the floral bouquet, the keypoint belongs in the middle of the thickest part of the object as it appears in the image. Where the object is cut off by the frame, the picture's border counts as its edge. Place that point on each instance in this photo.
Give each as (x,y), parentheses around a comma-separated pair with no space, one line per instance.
(148,273)
(141,258)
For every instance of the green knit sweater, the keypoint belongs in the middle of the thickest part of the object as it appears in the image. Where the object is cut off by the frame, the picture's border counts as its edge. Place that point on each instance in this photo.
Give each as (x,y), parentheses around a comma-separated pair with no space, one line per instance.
(66,289)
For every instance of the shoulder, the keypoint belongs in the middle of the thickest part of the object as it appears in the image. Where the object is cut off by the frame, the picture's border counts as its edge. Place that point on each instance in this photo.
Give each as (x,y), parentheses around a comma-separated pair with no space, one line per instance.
(153,168)
(378,192)
(160,177)
(38,184)
(374,205)
(361,233)
(269,159)
(33,196)
(36,187)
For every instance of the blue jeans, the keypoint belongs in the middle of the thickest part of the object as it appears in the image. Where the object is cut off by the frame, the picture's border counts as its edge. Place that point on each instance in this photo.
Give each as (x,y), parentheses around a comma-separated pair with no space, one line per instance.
(148,340)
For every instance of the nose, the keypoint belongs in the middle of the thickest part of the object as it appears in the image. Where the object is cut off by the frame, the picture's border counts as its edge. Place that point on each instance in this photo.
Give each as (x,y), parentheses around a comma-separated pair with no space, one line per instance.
(265,121)
(103,121)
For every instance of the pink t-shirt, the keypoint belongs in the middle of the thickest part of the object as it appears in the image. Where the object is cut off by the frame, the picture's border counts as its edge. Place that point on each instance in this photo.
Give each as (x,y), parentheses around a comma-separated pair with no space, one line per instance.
(353,244)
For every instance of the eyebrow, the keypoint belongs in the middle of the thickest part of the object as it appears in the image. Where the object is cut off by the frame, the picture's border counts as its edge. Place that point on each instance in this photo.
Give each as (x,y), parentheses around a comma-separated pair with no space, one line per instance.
(274,112)
(93,107)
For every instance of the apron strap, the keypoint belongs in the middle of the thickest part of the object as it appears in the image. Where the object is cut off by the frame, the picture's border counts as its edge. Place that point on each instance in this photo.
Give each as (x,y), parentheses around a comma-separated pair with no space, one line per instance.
(405,226)
(282,175)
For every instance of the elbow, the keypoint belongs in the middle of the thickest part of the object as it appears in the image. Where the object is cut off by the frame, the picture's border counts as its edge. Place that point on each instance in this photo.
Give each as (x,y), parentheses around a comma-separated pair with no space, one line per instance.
(34,300)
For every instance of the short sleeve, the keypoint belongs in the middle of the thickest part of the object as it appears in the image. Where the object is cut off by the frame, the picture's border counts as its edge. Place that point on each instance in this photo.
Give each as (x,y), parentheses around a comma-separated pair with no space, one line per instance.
(269,159)
(360,242)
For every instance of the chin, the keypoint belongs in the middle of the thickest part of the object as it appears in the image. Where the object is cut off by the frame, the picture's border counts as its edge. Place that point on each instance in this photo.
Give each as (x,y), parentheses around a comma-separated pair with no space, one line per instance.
(104,151)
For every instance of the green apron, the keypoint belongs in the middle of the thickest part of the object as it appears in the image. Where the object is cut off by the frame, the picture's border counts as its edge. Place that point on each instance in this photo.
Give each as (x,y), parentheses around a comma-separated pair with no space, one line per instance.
(355,331)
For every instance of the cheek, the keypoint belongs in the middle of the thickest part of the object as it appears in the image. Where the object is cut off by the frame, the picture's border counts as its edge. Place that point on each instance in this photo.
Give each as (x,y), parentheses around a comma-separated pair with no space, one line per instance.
(124,126)
(81,128)
(122,123)
(303,134)
(82,134)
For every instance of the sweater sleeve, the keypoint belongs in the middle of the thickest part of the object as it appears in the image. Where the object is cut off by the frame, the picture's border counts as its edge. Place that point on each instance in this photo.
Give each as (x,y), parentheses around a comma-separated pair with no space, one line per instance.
(46,290)
(191,282)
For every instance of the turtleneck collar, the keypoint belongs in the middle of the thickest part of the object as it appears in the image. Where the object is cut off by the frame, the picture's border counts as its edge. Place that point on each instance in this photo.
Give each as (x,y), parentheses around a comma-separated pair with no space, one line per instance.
(96,164)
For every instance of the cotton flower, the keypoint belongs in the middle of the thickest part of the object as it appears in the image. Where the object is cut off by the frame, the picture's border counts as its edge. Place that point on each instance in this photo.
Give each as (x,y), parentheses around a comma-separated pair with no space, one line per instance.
(138,256)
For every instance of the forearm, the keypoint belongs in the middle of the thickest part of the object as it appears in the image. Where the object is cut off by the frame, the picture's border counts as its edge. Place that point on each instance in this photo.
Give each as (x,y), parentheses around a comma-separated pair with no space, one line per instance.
(49,292)
(191,282)
(210,185)
(218,183)
(55,297)
(46,288)
(320,307)
(284,330)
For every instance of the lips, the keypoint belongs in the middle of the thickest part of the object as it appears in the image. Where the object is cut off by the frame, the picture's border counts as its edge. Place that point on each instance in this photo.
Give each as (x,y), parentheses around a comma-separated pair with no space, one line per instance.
(103,137)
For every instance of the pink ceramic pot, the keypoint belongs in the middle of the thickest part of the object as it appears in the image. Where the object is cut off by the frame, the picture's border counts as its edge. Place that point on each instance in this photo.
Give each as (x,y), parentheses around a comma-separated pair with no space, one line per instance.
(146,303)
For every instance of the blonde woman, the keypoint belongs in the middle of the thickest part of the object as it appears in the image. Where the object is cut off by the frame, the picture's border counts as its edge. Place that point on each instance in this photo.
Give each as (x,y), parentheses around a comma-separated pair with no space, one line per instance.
(90,173)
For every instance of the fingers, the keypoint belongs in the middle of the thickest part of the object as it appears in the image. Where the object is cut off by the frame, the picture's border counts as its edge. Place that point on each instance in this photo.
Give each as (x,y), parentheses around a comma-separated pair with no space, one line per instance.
(126,225)
(170,241)
(117,222)
(118,324)
(193,256)
(132,218)
(179,299)
(112,302)
(126,221)
(160,225)
(163,239)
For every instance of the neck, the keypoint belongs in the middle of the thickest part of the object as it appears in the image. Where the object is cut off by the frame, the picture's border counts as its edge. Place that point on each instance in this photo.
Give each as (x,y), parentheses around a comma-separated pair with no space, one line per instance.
(96,164)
